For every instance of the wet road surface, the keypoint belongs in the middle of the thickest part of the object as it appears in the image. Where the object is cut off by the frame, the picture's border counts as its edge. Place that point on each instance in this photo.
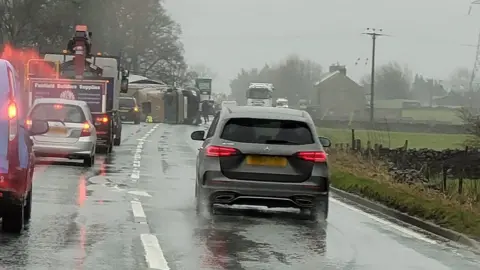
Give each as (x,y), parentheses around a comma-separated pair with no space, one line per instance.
(135,209)
(253,239)
(80,216)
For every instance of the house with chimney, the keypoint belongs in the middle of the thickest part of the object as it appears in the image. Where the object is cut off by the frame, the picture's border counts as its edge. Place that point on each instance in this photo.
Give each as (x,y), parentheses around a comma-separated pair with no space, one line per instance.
(338,96)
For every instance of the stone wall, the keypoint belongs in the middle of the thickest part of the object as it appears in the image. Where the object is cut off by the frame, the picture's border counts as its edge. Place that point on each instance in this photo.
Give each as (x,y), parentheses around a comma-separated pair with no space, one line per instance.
(431,167)
(393,126)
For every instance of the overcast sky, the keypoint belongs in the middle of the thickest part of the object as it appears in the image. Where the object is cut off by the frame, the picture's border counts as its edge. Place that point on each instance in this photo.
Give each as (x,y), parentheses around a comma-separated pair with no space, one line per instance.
(426,35)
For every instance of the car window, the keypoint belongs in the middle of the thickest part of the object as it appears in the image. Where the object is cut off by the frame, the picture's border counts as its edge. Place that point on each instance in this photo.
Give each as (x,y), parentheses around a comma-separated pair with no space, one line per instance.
(126,102)
(62,112)
(267,131)
(213,126)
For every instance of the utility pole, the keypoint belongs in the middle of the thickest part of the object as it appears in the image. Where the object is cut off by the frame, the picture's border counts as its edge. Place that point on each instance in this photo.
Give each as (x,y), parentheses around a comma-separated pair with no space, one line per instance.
(374,33)
(476,63)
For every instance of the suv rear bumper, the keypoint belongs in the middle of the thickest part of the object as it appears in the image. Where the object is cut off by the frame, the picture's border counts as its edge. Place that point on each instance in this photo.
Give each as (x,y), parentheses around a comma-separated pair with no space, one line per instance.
(221,190)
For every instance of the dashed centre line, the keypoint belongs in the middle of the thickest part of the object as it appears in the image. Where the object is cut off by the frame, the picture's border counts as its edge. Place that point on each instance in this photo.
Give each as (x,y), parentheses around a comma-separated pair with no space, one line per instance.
(153,252)
(135,175)
(137,209)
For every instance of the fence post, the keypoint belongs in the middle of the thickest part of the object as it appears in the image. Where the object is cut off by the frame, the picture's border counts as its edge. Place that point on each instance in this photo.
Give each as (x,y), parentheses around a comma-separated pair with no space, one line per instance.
(444,178)
(405,146)
(358,145)
(377,150)
(353,139)
(460,180)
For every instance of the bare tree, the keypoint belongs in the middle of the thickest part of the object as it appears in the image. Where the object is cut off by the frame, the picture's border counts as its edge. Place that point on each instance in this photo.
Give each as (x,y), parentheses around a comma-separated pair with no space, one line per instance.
(140,31)
(471,121)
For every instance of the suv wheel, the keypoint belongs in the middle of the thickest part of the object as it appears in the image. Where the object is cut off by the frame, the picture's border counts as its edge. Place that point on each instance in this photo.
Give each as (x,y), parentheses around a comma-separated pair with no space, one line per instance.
(202,203)
(13,221)
(320,211)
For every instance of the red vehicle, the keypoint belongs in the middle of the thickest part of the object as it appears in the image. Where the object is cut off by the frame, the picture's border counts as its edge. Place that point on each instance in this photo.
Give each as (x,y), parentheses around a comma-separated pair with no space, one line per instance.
(16,156)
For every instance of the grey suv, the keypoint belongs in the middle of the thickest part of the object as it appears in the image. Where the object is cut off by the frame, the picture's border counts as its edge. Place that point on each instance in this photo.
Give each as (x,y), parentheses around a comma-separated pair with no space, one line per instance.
(262,156)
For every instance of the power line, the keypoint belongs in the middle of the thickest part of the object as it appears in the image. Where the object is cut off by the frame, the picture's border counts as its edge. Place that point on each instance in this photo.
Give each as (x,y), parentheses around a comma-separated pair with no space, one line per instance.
(374,33)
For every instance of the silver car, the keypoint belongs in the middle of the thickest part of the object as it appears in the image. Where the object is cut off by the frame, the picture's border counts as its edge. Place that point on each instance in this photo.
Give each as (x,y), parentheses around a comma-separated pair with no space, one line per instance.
(263,156)
(71,134)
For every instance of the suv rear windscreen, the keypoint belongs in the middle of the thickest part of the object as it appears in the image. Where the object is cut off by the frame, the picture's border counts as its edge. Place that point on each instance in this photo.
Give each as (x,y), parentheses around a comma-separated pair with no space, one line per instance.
(55,112)
(267,131)
(126,102)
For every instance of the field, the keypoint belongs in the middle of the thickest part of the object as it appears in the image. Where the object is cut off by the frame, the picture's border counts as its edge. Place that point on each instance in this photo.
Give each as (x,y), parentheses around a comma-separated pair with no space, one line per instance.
(432,114)
(396,139)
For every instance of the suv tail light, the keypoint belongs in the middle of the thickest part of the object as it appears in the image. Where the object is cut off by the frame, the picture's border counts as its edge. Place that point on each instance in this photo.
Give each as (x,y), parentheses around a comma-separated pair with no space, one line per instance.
(313,156)
(221,151)
(86,130)
(12,120)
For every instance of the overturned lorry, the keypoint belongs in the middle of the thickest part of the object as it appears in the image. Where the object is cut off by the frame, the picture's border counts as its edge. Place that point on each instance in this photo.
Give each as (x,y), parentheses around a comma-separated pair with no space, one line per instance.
(169,105)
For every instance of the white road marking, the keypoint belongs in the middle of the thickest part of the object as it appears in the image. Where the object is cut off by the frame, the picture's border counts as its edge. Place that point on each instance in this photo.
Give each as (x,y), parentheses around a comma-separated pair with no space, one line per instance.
(153,252)
(139,193)
(135,174)
(137,209)
(392,225)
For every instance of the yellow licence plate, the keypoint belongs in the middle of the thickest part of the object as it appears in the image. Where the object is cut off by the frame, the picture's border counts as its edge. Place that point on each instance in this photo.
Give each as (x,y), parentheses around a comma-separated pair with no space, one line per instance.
(123,110)
(57,130)
(267,161)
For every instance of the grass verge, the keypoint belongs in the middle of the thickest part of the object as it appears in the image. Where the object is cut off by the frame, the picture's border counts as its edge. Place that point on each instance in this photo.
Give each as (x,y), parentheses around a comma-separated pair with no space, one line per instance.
(371,181)
(396,139)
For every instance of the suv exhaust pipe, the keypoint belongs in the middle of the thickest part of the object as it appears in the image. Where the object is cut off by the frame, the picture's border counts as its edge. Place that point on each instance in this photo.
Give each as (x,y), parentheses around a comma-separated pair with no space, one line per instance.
(303,201)
(224,198)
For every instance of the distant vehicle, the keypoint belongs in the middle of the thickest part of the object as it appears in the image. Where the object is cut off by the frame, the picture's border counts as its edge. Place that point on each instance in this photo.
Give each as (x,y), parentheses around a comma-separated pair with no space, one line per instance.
(302,104)
(262,156)
(260,94)
(71,135)
(16,157)
(227,103)
(282,103)
(128,109)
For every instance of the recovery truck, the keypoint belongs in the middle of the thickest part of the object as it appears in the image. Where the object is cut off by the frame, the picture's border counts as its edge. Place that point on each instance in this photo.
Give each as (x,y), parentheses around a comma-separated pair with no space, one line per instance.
(96,79)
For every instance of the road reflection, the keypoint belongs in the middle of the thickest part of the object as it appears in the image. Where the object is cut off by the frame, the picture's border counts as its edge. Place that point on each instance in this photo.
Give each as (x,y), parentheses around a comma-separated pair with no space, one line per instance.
(229,244)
